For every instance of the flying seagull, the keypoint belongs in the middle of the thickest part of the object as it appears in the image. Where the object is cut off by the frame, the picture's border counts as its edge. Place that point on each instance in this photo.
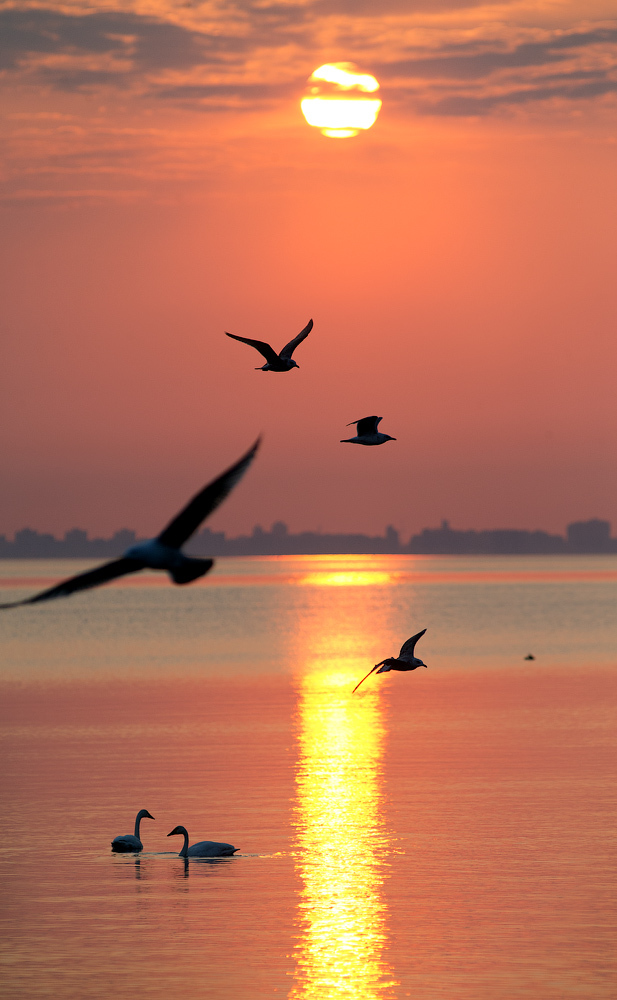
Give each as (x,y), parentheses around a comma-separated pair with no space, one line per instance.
(367,432)
(404,661)
(162,552)
(282,362)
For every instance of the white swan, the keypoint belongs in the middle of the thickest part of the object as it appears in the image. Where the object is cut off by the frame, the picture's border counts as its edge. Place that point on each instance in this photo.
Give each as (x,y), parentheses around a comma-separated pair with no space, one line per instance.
(204,849)
(131,841)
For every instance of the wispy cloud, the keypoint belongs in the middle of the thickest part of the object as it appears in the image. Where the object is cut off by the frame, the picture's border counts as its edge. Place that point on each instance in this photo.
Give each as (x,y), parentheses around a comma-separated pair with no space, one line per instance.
(249,55)
(475,65)
(470,105)
(495,75)
(147,42)
(116,93)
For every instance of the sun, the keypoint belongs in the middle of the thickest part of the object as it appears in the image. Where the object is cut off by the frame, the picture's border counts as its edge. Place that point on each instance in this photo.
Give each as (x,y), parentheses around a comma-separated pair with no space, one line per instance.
(339,100)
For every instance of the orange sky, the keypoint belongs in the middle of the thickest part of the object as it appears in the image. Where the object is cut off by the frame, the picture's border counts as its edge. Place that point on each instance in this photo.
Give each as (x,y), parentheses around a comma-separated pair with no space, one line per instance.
(160,187)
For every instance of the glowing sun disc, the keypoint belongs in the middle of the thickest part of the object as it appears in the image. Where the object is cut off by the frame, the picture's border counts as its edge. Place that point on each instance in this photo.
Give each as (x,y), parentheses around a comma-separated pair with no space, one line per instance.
(337,100)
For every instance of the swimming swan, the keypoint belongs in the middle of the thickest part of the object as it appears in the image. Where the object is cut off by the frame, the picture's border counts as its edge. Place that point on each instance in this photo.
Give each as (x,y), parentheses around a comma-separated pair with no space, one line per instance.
(204,849)
(131,841)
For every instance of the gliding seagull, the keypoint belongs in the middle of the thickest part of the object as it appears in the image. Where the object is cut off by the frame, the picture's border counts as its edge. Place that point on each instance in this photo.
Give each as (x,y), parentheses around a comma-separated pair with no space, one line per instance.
(367,432)
(282,362)
(404,661)
(162,552)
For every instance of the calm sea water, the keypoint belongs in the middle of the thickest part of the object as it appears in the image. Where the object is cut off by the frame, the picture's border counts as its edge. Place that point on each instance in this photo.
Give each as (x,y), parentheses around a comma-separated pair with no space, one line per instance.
(445,833)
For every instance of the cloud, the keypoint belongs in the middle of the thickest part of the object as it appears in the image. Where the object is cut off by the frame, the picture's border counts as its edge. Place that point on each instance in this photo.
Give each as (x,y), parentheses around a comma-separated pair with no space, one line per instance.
(463,105)
(146,42)
(368,8)
(233,65)
(481,64)
(27,198)
(248,92)
(479,82)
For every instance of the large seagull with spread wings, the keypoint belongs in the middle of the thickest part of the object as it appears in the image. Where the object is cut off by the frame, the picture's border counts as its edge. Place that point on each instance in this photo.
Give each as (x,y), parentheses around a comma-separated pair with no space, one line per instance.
(282,362)
(164,551)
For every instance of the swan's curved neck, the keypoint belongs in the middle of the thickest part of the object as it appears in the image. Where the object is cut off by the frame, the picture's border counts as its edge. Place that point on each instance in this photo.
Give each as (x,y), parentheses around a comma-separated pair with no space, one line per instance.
(184,853)
(138,820)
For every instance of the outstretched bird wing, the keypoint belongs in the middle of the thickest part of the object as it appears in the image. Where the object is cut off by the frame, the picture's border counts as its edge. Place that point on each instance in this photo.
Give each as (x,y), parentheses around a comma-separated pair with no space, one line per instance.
(289,348)
(260,345)
(364,678)
(197,510)
(93,578)
(408,647)
(368,425)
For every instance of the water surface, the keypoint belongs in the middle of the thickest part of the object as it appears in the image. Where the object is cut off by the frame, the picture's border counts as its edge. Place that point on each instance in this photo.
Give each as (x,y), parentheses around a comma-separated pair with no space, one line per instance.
(444,833)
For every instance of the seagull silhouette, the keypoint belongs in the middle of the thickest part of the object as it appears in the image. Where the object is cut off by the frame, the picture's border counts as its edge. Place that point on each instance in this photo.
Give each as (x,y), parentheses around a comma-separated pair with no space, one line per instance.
(404,661)
(367,432)
(162,552)
(282,362)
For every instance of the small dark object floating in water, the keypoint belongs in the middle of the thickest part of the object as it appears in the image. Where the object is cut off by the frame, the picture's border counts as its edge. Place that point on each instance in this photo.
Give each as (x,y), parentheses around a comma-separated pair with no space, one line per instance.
(530,656)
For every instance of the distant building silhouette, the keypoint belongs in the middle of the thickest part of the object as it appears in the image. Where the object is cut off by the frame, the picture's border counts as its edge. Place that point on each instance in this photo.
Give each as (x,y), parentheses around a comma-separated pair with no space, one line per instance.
(445,541)
(592,536)
(589,536)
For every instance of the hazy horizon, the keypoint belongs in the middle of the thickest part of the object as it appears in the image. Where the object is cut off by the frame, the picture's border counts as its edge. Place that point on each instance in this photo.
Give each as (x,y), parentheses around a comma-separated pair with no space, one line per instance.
(269,527)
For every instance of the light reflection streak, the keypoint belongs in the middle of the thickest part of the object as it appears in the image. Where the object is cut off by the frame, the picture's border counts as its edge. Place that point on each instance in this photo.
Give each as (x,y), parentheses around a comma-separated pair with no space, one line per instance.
(341,841)
(351,578)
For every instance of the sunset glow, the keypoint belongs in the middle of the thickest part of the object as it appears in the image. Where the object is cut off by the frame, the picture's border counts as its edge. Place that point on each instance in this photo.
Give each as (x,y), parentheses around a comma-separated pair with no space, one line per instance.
(161,185)
(351,579)
(337,116)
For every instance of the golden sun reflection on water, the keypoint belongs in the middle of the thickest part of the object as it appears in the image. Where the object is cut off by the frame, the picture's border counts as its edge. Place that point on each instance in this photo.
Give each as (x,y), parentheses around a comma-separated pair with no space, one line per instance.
(341,840)
(352,578)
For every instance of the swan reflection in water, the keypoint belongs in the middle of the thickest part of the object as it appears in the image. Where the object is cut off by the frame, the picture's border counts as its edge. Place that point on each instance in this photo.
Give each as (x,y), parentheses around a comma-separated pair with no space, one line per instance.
(135,865)
(142,869)
(341,843)
(198,867)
